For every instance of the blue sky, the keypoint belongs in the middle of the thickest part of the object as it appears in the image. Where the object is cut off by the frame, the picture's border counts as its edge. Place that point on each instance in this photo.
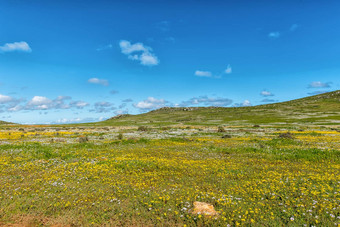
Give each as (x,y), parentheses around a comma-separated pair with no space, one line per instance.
(79,61)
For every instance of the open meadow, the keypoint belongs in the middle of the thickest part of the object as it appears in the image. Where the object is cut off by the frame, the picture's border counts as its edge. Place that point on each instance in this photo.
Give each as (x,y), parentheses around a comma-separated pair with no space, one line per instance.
(258,175)
(170,113)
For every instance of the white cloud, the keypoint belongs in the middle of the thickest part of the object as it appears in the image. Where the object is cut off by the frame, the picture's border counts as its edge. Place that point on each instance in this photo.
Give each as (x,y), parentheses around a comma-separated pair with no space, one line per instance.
(228,70)
(148,59)
(16,46)
(203,73)
(5,99)
(98,81)
(66,120)
(266,93)
(39,100)
(41,103)
(150,103)
(246,103)
(128,48)
(274,35)
(318,84)
(139,52)
(78,120)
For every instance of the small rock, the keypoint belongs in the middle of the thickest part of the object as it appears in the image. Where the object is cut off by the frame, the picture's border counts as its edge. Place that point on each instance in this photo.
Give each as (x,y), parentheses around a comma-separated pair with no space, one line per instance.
(204,208)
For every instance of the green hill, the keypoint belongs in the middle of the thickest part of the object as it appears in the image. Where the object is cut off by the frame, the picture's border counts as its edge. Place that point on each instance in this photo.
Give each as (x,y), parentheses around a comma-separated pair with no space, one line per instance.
(5,123)
(320,109)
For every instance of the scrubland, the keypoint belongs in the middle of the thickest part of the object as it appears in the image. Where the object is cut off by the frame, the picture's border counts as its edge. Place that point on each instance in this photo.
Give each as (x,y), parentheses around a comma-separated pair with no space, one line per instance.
(122,176)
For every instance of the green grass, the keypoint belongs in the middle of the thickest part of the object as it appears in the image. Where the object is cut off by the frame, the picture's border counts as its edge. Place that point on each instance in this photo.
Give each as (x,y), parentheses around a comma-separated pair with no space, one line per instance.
(253,178)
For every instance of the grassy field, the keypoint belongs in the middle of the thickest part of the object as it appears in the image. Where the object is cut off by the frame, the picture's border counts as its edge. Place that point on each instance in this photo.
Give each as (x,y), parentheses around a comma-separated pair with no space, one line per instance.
(283,172)
(257,177)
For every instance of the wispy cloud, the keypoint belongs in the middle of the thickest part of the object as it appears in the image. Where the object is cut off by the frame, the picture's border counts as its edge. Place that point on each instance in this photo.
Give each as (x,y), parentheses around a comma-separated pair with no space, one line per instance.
(206,101)
(98,81)
(277,34)
(79,104)
(127,100)
(103,107)
(266,93)
(113,92)
(170,39)
(119,112)
(274,35)
(269,100)
(122,105)
(164,26)
(203,73)
(228,70)
(109,46)
(139,52)
(318,84)
(16,46)
(293,27)
(77,120)
(317,92)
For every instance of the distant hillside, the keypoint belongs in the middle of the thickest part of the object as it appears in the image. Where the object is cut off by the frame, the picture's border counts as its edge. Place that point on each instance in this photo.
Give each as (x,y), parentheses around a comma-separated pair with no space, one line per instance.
(318,109)
(5,123)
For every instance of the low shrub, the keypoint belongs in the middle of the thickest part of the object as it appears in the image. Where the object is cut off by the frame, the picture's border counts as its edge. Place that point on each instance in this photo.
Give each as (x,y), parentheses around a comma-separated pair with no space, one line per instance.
(286,135)
(142,128)
(220,129)
(83,139)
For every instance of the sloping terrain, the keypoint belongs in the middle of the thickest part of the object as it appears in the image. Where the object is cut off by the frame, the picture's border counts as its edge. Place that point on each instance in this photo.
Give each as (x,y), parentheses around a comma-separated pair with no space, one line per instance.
(320,109)
(5,123)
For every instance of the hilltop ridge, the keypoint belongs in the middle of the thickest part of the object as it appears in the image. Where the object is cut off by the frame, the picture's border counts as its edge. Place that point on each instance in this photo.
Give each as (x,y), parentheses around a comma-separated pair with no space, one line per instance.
(5,123)
(318,109)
